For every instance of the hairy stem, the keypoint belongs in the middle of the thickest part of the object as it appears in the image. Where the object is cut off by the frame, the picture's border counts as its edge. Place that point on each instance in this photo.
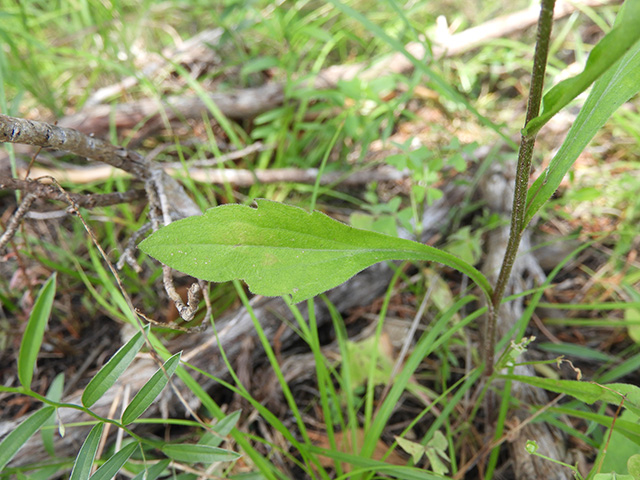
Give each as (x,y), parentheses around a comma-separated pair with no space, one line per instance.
(525,154)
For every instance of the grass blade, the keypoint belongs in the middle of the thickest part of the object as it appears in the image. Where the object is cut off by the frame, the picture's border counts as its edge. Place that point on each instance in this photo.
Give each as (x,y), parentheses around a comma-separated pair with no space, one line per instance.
(198,453)
(112,370)
(87,454)
(32,338)
(154,471)
(150,391)
(23,432)
(115,463)
(611,90)
(587,392)
(608,51)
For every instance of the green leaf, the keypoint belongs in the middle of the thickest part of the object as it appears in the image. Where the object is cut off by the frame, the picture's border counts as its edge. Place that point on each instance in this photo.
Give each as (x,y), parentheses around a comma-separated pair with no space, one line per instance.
(630,430)
(614,88)
(150,391)
(190,453)
(154,471)
(280,250)
(259,64)
(608,51)
(32,338)
(587,392)
(362,463)
(221,429)
(23,432)
(619,449)
(87,454)
(112,370)
(416,450)
(435,79)
(112,466)
(54,393)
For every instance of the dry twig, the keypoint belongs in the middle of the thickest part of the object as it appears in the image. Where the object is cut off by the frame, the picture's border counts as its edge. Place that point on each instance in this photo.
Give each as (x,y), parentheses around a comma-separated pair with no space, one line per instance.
(164,193)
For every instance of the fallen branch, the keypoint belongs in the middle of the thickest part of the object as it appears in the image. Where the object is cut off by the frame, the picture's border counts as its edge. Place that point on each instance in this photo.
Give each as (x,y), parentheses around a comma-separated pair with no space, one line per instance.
(44,190)
(237,177)
(167,199)
(44,135)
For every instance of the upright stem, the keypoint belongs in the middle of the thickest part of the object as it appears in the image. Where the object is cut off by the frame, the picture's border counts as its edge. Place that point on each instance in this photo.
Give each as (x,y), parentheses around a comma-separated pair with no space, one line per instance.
(525,154)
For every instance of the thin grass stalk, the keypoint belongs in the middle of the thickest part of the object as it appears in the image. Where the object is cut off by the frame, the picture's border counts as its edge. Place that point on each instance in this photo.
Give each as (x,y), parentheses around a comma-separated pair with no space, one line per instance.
(525,154)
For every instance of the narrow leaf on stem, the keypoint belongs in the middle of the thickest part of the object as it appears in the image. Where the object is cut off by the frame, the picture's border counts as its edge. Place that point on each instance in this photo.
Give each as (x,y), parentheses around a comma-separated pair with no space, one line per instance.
(33,334)
(111,371)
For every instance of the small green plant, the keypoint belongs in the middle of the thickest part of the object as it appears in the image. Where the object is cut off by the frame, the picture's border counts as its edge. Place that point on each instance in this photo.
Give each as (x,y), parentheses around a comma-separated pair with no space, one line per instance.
(205,451)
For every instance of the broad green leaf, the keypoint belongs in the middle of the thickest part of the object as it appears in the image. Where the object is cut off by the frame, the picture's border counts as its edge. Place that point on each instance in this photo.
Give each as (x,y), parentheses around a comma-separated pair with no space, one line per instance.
(32,338)
(154,471)
(112,466)
(54,393)
(608,51)
(23,432)
(112,370)
(190,453)
(587,392)
(150,391)
(87,454)
(416,450)
(280,250)
(620,449)
(361,355)
(611,90)
(221,429)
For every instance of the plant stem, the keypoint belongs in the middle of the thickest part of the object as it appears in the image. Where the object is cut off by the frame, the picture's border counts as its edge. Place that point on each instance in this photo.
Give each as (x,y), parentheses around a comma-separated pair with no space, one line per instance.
(525,154)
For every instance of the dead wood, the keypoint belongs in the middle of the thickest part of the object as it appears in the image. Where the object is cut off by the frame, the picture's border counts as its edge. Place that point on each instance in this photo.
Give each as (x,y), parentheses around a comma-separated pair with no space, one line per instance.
(237,177)
(44,190)
(44,135)
(203,350)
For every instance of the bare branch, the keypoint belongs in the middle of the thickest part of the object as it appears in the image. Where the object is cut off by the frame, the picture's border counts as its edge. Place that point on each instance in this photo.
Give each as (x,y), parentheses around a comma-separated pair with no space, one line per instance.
(14,223)
(48,191)
(30,132)
(242,177)
(165,194)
